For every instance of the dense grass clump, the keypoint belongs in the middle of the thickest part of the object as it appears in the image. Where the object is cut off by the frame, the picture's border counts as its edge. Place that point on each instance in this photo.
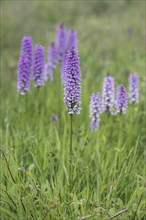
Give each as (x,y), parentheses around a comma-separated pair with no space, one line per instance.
(104,177)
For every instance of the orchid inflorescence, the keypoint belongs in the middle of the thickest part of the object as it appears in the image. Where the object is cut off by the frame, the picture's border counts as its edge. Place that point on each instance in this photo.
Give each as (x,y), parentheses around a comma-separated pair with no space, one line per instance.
(32,63)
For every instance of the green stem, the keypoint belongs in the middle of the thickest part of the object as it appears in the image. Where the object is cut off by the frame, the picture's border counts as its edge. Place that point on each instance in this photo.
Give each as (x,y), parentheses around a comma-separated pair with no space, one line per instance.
(71,127)
(11,201)
(38,109)
(70,151)
(120,128)
(38,99)
(137,206)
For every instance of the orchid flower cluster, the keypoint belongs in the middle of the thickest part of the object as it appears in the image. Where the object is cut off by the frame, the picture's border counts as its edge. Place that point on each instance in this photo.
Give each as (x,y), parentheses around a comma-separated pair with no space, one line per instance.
(32,64)
(65,52)
(65,40)
(112,103)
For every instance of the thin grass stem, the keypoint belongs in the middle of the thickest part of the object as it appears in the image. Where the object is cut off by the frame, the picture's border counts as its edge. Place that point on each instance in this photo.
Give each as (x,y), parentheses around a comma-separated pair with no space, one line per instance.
(71,130)
(71,150)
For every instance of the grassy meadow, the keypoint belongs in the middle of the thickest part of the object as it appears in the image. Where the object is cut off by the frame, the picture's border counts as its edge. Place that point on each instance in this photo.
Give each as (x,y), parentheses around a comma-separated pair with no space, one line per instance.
(106,176)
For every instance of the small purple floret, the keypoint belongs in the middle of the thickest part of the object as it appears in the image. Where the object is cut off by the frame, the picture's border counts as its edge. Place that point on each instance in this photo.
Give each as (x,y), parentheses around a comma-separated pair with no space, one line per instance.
(24,65)
(72,81)
(95,110)
(108,94)
(121,99)
(38,65)
(133,88)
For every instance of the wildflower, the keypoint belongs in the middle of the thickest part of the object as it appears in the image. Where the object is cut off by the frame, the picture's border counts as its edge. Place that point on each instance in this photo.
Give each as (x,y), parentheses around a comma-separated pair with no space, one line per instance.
(72,82)
(54,117)
(52,60)
(108,94)
(48,72)
(38,65)
(72,40)
(133,88)
(121,99)
(52,55)
(61,41)
(95,110)
(62,68)
(24,65)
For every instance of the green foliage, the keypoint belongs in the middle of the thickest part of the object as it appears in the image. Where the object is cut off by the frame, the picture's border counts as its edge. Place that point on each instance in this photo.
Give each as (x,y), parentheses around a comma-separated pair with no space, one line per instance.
(107,165)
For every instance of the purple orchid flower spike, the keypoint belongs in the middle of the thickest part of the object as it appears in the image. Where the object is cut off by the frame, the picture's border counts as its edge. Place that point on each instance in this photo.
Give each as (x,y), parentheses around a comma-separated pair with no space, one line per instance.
(24,65)
(72,80)
(95,110)
(133,88)
(121,99)
(52,55)
(48,72)
(72,40)
(61,41)
(52,60)
(108,94)
(62,68)
(38,65)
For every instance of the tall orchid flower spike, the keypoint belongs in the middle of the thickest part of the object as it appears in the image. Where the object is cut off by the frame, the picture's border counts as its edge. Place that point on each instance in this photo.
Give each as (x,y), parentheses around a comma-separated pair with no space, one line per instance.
(133,88)
(38,65)
(95,110)
(72,80)
(61,41)
(24,65)
(108,94)
(121,99)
